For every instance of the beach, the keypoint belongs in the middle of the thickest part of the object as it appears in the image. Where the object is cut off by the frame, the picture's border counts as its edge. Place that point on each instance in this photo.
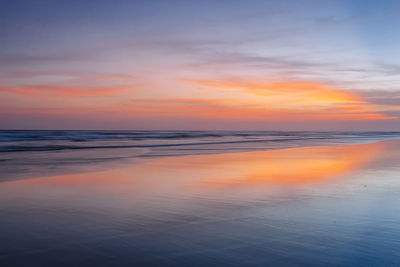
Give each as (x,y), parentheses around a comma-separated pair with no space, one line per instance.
(335,204)
(199,133)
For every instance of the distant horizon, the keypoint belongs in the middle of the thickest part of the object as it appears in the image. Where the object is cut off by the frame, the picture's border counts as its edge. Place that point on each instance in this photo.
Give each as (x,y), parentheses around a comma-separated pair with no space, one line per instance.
(182,130)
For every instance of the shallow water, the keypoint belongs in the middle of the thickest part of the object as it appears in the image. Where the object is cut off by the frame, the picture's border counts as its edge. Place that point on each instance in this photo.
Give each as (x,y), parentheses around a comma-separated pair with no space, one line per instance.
(322,205)
(29,154)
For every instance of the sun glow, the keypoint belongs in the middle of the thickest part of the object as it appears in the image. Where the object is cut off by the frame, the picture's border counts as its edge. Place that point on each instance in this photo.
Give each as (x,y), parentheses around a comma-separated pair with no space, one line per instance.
(265,101)
(232,100)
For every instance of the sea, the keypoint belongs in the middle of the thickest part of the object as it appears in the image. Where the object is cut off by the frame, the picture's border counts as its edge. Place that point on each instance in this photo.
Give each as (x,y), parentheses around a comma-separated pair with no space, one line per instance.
(199,198)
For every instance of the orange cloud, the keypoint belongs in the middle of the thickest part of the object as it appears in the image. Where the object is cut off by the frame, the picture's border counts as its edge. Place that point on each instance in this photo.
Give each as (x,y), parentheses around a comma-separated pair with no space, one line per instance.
(301,99)
(307,92)
(294,101)
(245,110)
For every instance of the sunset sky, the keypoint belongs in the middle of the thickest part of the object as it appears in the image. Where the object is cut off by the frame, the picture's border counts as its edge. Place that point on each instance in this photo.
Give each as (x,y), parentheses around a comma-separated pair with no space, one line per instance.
(199,65)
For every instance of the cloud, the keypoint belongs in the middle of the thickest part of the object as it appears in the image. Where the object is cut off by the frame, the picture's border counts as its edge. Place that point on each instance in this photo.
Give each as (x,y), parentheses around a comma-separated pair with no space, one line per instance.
(46,85)
(23,59)
(308,91)
(60,91)
(302,99)
(253,101)
(379,97)
(234,109)
(88,76)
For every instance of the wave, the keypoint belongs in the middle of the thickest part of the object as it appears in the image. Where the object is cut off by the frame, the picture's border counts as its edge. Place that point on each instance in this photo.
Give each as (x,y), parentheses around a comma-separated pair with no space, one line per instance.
(61,147)
(7,136)
(17,141)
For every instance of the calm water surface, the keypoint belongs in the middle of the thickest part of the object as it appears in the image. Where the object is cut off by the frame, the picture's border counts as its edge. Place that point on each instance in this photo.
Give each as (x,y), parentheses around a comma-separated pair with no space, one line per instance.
(322,205)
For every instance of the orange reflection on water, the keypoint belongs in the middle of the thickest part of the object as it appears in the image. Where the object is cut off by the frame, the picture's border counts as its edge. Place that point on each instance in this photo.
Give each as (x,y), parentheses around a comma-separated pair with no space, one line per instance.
(185,174)
(291,166)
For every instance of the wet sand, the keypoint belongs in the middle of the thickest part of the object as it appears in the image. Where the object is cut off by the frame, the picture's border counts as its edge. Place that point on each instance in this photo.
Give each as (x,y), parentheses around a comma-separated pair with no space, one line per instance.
(323,205)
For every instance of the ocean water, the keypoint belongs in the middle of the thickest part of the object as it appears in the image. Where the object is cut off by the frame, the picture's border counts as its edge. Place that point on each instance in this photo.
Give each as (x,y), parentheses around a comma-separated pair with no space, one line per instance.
(15,140)
(140,198)
(27,154)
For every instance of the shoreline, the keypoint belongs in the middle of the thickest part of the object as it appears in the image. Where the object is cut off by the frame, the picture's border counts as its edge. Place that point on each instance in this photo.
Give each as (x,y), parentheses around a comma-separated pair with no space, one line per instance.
(37,164)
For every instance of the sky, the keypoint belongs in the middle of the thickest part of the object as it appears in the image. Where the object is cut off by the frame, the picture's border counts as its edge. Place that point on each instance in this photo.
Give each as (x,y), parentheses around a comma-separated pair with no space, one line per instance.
(200,65)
